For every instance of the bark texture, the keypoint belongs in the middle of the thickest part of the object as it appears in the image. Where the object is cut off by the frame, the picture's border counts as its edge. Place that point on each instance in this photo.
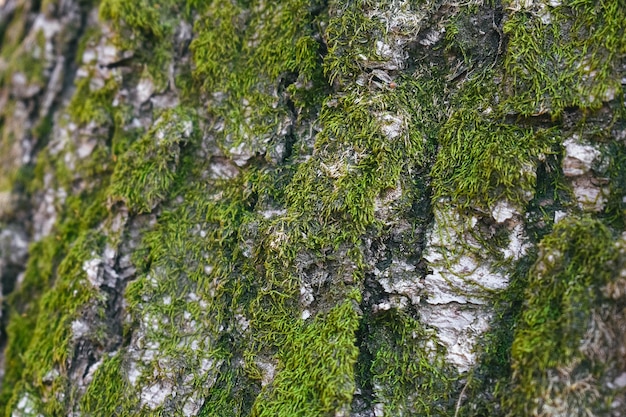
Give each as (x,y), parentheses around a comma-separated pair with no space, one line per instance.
(313,208)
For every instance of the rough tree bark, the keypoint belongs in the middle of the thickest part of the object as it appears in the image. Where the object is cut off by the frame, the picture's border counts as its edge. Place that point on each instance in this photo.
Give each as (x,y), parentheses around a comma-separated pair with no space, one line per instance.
(313,208)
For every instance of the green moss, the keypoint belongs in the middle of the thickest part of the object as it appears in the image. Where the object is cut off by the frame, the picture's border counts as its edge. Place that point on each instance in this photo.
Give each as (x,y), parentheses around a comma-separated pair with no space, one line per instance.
(29,59)
(147,28)
(50,276)
(232,395)
(349,38)
(146,171)
(246,57)
(105,395)
(616,206)
(7,148)
(483,159)
(572,61)
(191,268)
(24,310)
(14,31)
(564,287)
(89,105)
(316,374)
(408,374)
(214,259)
(45,359)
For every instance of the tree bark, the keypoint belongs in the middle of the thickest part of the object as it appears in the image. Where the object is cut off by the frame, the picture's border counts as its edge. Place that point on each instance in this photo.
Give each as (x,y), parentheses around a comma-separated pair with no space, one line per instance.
(313,208)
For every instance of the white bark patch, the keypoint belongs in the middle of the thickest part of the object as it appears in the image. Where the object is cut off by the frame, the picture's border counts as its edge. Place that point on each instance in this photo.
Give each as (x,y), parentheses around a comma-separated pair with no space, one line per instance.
(94,270)
(240,154)
(559,215)
(145,89)
(400,279)
(85,148)
(268,370)
(457,290)
(458,328)
(221,169)
(503,211)
(192,405)
(155,395)
(578,158)
(91,372)
(26,407)
(392,125)
(590,193)
(518,243)
(133,373)
(79,329)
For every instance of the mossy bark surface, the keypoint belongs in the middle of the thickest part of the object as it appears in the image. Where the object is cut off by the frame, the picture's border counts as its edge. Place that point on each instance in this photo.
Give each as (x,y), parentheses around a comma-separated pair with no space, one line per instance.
(313,208)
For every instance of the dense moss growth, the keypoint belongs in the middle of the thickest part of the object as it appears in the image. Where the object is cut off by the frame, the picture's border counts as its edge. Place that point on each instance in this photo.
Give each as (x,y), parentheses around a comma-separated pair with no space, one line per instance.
(564,56)
(407,375)
(146,171)
(246,235)
(565,290)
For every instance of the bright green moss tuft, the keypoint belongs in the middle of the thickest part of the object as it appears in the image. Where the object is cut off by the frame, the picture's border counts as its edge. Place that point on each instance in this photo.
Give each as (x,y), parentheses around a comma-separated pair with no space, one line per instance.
(252,59)
(564,289)
(147,28)
(350,39)
(105,396)
(564,56)
(483,158)
(316,374)
(145,173)
(481,161)
(407,372)
(24,310)
(45,359)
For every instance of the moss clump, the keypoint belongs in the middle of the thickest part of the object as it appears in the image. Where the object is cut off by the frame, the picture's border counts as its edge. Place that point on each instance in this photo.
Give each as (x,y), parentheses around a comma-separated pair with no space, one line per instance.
(349,38)
(616,206)
(482,158)
(564,56)
(191,277)
(45,369)
(89,105)
(408,374)
(147,170)
(482,161)
(147,28)
(24,310)
(316,374)
(106,398)
(564,289)
(256,61)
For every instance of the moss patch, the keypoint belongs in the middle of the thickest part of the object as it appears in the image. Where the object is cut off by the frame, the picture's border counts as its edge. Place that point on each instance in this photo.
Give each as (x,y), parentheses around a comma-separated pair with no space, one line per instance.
(564,56)
(408,375)
(564,287)
(146,171)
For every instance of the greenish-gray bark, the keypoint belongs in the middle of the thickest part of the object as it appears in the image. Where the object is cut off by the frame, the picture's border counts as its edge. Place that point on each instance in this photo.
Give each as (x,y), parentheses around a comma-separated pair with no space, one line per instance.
(313,208)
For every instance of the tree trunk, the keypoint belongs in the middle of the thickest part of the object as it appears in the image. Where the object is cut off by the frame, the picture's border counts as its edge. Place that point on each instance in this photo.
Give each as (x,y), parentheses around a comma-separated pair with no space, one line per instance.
(313,208)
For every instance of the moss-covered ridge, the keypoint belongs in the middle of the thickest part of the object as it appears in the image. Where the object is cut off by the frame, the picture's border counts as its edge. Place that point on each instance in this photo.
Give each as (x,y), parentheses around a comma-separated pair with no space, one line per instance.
(298,142)
(558,362)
